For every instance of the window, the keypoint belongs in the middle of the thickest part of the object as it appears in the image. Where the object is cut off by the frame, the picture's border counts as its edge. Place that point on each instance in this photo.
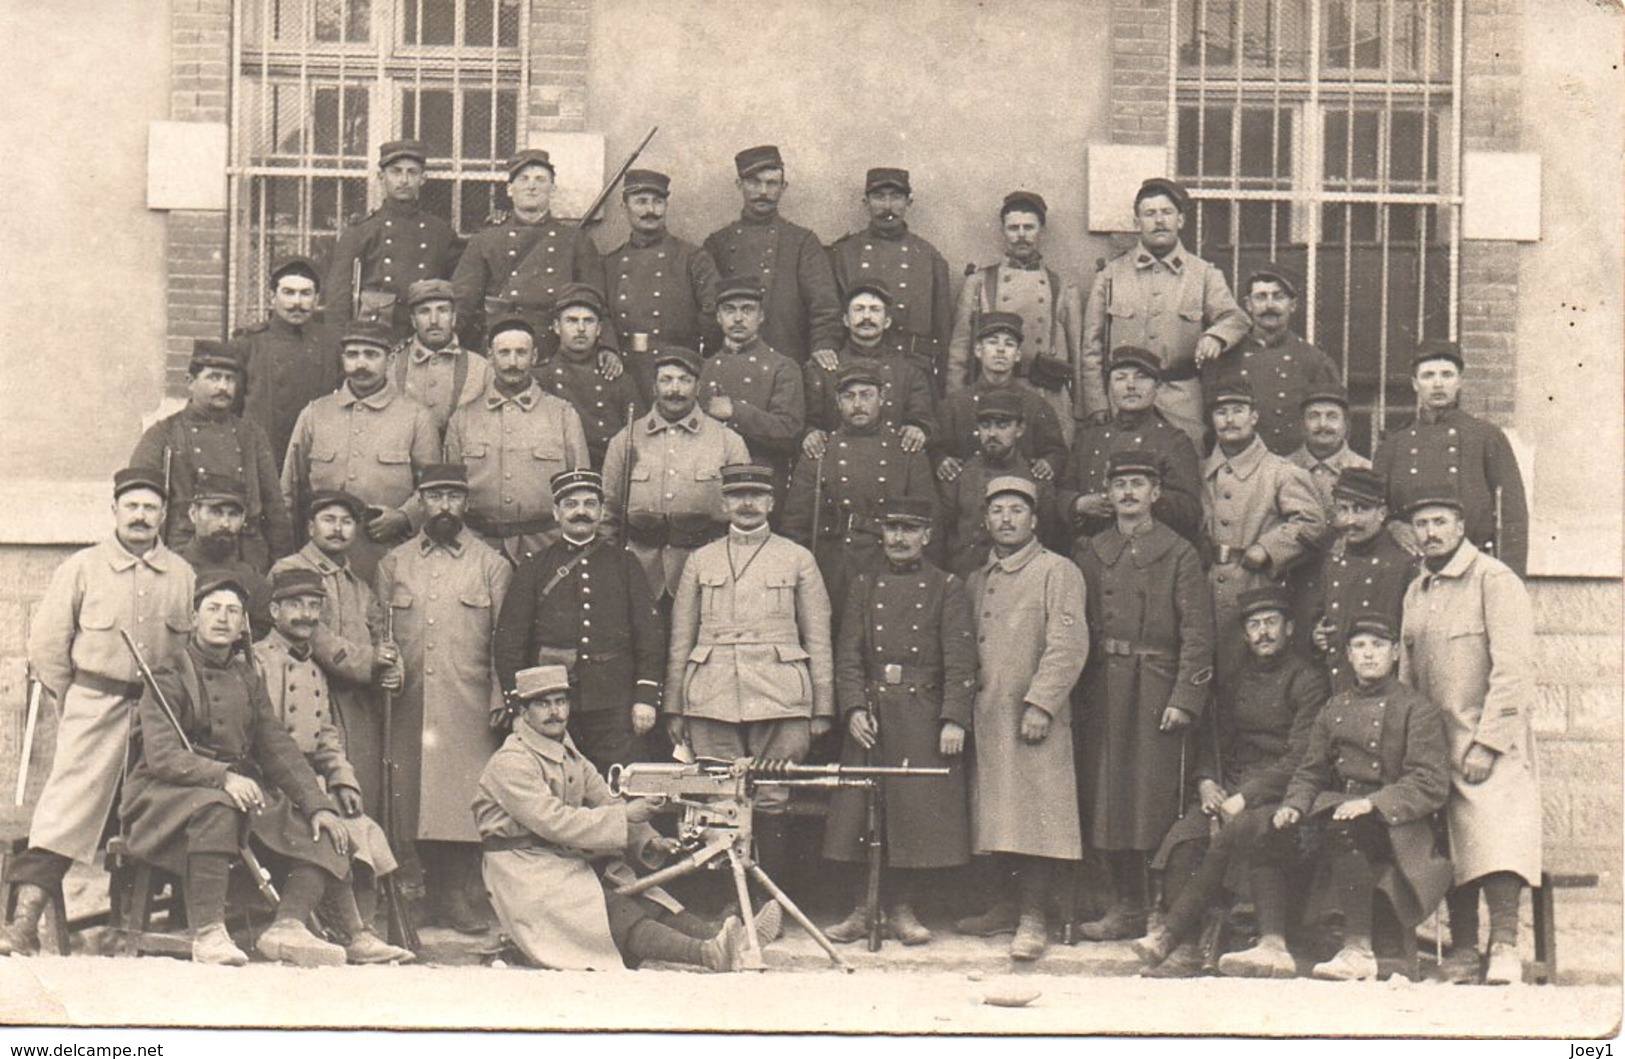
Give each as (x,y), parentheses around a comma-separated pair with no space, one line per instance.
(1322,134)
(320,84)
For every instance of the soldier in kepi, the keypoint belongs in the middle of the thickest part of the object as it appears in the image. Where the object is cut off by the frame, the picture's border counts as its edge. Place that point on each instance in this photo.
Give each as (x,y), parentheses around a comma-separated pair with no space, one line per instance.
(905,691)
(396,245)
(751,388)
(127,583)
(216,514)
(1001,430)
(432,367)
(290,358)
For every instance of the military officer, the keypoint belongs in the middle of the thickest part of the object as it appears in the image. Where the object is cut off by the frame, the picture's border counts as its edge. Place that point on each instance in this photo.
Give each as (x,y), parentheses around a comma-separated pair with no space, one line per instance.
(1281,367)
(519,262)
(367,439)
(216,513)
(662,290)
(1259,516)
(832,499)
(1469,646)
(206,437)
(1365,571)
(288,359)
(801,308)
(396,245)
(916,273)
(1001,426)
(663,474)
(513,439)
(605,402)
(1447,447)
(1325,451)
(1150,661)
(905,394)
(750,672)
(432,367)
(445,587)
(905,675)
(585,604)
(1160,296)
(998,351)
(750,387)
(1050,306)
(1133,381)
(1031,644)
(127,583)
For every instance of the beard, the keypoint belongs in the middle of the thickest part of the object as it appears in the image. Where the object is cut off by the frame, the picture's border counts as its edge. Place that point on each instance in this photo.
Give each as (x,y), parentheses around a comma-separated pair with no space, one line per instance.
(218,547)
(443,528)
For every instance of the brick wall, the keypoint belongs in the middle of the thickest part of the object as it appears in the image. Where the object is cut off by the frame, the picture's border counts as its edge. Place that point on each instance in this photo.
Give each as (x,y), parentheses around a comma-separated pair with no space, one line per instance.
(1140,72)
(560,31)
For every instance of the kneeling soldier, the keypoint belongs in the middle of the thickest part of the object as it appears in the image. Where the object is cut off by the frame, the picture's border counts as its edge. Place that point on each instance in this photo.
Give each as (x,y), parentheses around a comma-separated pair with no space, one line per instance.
(1375,773)
(190,798)
(554,839)
(905,688)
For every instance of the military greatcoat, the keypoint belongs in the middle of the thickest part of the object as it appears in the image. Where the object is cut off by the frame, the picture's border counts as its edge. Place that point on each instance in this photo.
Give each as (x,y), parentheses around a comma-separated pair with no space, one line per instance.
(905,391)
(923,310)
(769,399)
(1180,505)
(956,425)
(1281,373)
(284,368)
(397,246)
(962,531)
(517,266)
(1351,580)
(801,311)
(602,404)
(664,289)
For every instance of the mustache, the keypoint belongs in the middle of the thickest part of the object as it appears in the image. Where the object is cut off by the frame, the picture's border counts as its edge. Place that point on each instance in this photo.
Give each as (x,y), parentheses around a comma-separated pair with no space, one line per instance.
(141,523)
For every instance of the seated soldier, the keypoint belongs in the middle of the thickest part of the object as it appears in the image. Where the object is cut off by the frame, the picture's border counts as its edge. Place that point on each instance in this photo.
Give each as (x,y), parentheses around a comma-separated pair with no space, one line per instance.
(297,690)
(221,765)
(554,837)
(1360,804)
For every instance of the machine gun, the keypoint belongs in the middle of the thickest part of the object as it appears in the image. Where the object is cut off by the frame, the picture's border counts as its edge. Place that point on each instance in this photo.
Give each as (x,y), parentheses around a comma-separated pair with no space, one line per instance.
(716,798)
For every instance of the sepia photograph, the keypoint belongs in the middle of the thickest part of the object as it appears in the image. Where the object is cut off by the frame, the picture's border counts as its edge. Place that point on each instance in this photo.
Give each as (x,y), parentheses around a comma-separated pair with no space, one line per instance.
(1029,518)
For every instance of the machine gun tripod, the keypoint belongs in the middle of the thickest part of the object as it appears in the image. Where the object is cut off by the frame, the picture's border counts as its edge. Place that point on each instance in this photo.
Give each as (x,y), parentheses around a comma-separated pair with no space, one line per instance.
(716,801)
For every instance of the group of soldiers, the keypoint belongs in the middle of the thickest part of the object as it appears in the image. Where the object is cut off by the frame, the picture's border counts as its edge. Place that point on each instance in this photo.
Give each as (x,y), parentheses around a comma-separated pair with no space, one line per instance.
(1110,561)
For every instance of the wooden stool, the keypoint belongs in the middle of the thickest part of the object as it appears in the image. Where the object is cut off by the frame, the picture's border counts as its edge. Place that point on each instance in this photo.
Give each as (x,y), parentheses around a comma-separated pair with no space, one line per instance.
(1543,903)
(56,901)
(135,883)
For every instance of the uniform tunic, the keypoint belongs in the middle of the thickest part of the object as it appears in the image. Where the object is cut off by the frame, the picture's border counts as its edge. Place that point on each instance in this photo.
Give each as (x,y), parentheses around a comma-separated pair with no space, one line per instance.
(1281,372)
(1151,647)
(905,391)
(769,400)
(429,377)
(1031,643)
(601,403)
(372,447)
(665,289)
(1469,646)
(284,368)
(225,445)
(1180,505)
(964,512)
(1475,457)
(223,710)
(446,601)
(917,621)
(512,447)
(1386,743)
(1165,305)
(343,646)
(297,691)
(923,310)
(253,581)
(1051,309)
(801,311)
(397,246)
(1348,581)
(1323,473)
(956,425)
(859,468)
(675,482)
(561,829)
(75,650)
(523,266)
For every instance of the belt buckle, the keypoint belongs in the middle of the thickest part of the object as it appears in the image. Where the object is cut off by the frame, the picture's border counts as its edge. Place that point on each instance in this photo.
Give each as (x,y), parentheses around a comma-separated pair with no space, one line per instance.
(893,673)
(640,341)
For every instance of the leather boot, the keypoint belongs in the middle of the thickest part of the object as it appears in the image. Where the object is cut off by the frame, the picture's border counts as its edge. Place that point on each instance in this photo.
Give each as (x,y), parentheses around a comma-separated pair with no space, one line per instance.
(1268,959)
(367,947)
(446,882)
(1505,966)
(1155,946)
(769,922)
(290,941)
(21,935)
(212,945)
(1184,962)
(1462,966)
(1349,965)
(1000,919)
(854,927)
(905,926)
(1032,937)
(1119,924)
(722,953)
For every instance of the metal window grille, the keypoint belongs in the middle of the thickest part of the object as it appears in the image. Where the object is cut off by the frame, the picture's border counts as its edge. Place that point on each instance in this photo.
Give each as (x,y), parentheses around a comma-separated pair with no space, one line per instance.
(1326,134)
(318,85)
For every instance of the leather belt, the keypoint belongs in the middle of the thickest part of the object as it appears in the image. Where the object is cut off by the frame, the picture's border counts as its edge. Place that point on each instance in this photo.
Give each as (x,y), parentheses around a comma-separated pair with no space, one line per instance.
(653,530)
(1225,554)
(852,522)
(1126,648)
(898,673)
(1180,372)
(509,527)
(505,843)
(1360,788)
(123,689)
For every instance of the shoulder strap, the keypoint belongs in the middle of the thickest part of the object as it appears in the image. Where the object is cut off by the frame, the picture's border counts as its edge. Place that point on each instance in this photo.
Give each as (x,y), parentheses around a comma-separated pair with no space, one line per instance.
(990,287)
(459,379)
(191,685)
(563,572)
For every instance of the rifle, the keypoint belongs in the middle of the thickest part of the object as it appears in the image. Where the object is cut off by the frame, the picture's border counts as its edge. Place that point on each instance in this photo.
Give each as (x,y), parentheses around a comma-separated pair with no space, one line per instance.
(971,363)
(817,505)
(1105,327)
(397,917)
(355,289)
(626,476)
(34,689)
(1496,548)
(716,800)
(598,203)
(261,877)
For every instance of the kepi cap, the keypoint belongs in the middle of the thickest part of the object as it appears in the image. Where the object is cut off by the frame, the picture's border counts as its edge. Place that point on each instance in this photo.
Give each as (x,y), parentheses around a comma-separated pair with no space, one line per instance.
(1133,461)
(1439,349)
(738,288)
(1373,624)
(1285,275)
(211,353)
(882,177)
(911,510)
(1438,494)
(139,478)
(1135,357)
(681,356)
(428,290)
(220,487)
(566,482)
(212,581)
(646,180)
(1361,484)
(326,498)
(1328,394)
(1163,186)
(395,149)
(1028,201)
(747,478)
(511,322)
(1232,391)
(530,157)
(999,404)
(302,266)
(582,294)
(754,159)
(537,681)
(868,285)
(367,333)
(444,476)
(1271,597)
(297,581)
(857,375)
(1010,483)
(994,322)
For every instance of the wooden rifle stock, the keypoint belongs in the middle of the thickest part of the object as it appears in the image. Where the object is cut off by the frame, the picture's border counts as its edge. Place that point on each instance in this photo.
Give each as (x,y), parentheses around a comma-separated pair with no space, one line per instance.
(397,917)
(603,196)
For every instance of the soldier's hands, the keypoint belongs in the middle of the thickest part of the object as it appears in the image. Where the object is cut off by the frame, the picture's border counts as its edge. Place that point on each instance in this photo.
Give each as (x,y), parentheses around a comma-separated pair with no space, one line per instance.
(1232,807)
(1208,348)
(913,438)
(349,800)
(609,364)
(1322,635)
(327,820)
(951,742)
(665,847)
(245,792)
(1175,719)
(1093,505)
(1285,817)
(1353,809)
(813,445)
(1211,796)
(720,406)
(820,727)
(1034,724)
(676,730)
(393,678)
(1478,763)
(639,810)
(1042,471)
(391,524)
(1255,557)
(860,724)
(826,359)
(643,718)
(949,468)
